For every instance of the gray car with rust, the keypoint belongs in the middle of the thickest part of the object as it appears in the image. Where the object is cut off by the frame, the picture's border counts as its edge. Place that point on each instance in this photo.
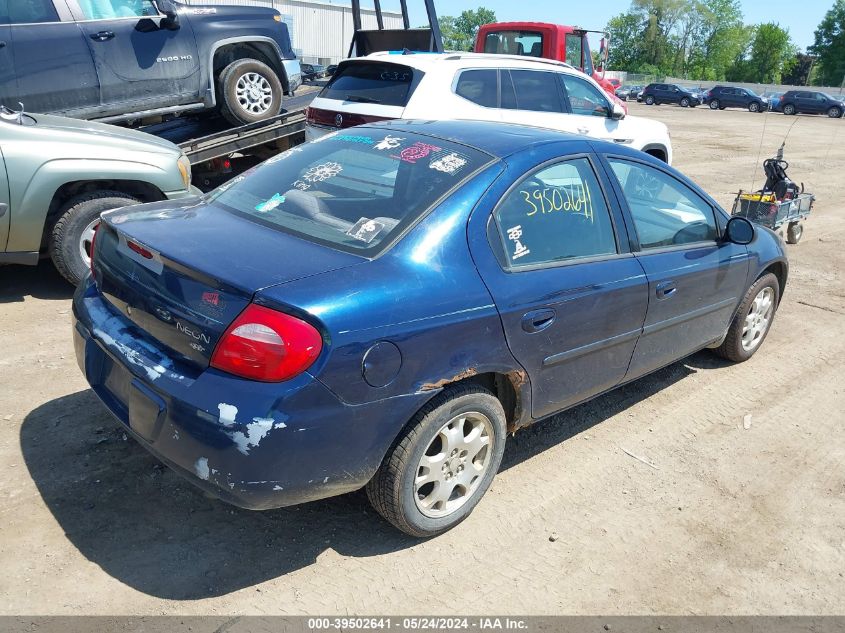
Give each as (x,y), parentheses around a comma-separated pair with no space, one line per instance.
(58,174)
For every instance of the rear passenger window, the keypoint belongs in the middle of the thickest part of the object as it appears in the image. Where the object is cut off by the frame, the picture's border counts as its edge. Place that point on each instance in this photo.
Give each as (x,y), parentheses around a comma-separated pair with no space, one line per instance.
(536,90)
(555,214)
(479,86)
(385,84)
(27,11)
(666,212)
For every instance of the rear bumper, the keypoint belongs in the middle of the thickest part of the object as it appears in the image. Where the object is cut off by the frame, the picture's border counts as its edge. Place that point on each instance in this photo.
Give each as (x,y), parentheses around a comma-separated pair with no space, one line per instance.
(254,445)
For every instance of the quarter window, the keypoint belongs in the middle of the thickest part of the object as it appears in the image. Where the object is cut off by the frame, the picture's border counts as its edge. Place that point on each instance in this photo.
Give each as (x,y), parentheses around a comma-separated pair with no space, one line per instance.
(573,50)
(584,98)
(536,90)
(555,214)
(112,9)
(479,86)
(27,11)
(666,212)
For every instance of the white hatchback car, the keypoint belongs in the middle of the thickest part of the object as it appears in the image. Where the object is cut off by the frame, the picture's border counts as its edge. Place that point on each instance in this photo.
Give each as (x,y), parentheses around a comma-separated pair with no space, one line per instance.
(536,92)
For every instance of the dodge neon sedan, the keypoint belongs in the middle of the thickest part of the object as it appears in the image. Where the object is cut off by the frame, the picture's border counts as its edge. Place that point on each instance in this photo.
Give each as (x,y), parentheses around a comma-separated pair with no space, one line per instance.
(381,307)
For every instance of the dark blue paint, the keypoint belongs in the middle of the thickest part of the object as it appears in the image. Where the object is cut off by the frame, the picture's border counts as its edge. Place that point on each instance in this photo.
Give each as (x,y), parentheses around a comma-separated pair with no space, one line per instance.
(434,308)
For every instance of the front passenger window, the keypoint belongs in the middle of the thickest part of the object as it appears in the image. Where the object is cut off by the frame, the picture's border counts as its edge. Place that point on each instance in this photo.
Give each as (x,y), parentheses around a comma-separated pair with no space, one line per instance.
(584,98)
(111,9)
(666,212)
(555,214)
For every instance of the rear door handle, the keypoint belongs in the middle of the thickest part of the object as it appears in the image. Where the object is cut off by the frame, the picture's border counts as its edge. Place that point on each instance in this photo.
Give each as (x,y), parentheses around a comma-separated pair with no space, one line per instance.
(102,36)
(538,320)
(665,289)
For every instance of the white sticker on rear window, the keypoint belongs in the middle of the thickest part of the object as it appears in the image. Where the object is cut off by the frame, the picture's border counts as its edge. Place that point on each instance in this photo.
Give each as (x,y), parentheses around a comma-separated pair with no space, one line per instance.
(319,173)
(514,235)
(365,230)
(389,142)
(450,163)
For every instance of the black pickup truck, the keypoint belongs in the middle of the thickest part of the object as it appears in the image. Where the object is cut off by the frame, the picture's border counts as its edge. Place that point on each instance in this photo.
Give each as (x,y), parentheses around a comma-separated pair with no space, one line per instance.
(124,60)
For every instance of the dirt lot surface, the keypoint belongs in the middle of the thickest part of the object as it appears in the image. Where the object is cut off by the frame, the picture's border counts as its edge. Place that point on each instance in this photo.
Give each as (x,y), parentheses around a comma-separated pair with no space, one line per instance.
(734,515)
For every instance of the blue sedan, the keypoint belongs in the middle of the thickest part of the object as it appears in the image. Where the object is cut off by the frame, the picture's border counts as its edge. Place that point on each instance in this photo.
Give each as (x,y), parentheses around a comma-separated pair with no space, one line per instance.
(381,307)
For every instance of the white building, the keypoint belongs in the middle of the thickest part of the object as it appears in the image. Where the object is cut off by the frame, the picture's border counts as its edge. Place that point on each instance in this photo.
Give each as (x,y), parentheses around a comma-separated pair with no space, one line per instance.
(320,30)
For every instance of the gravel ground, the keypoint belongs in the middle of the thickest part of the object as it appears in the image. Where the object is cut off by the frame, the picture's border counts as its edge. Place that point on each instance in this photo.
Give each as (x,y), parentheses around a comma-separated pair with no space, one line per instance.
(740,512)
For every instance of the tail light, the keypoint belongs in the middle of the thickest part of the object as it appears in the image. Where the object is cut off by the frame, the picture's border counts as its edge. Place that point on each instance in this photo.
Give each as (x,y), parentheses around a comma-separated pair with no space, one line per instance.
(309,114)
(91,254)
(267,345)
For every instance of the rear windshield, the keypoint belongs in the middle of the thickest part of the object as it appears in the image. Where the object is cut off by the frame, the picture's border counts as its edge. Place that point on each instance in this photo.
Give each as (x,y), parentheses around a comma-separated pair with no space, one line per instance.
(369,82)
(527,43)
(355,189)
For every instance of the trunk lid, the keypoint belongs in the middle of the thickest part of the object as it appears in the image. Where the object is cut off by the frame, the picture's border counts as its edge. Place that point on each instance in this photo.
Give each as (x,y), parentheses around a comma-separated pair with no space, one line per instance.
(183,272)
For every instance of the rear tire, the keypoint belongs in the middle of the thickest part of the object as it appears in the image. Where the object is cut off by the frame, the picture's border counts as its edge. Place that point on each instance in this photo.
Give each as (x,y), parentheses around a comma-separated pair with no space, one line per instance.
(789,109)
(250,91)
(70,240)
(794,233)
(432,450)
(753,320)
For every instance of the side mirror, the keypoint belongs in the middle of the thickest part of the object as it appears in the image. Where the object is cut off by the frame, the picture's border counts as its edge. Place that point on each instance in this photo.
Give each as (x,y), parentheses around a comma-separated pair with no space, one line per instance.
(170,21)
(739,231)
(617,112)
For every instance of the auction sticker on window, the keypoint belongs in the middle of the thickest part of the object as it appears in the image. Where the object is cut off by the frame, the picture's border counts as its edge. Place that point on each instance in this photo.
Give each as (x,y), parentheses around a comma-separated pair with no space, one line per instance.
(365,230)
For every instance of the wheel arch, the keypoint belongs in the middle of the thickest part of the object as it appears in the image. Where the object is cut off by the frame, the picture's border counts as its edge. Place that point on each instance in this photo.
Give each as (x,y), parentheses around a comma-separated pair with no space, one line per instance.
(144,191)
(264,49)
(658,151)
(780,270)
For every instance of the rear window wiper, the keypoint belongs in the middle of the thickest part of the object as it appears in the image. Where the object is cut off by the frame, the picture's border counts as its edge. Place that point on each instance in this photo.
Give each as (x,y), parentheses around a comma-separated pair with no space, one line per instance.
(360,99)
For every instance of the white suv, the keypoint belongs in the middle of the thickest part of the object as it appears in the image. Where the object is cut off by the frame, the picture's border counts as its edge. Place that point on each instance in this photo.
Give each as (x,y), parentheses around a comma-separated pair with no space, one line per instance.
(537,92)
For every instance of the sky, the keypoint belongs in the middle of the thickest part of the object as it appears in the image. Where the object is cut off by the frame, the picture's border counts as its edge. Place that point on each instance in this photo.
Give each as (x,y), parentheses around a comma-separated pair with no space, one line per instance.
(800,18)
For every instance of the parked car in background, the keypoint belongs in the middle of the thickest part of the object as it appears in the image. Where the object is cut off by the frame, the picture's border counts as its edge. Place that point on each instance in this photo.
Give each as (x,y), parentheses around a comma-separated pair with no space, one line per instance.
(657,94)
(116,60)
(811,102)
(310,72)
(530,91)
(721,97)
(773,98)
(331,69)
(502,274)
(58,174)
(626,93)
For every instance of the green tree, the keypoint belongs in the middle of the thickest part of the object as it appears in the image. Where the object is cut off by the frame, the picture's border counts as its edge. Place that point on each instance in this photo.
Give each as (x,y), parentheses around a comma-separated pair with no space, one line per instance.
(459,32)
(772,53)
(830,46)
(625,31)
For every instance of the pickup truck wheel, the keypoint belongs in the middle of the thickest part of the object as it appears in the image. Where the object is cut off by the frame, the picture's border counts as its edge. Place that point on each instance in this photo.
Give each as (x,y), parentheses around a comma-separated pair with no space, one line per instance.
(443,463)
(251,92)
(70,241)
(751,324)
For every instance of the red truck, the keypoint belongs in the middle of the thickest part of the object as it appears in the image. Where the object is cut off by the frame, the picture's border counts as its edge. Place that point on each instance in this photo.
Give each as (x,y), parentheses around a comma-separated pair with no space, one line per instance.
(552,41)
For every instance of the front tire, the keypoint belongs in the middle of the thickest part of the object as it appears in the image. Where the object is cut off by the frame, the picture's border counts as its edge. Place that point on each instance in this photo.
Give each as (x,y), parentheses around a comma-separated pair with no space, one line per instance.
(789,109)
(443,463)
(70,240)
(753,320)
(649,100)
(834,112)
(250,91)
(714,104)
(684,102)
(753,107)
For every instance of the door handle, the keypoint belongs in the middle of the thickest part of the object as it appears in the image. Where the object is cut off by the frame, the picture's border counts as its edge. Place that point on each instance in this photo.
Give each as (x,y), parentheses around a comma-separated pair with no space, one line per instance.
(102,36)
(583,130)
(538,320)
(665,289)
(2,44)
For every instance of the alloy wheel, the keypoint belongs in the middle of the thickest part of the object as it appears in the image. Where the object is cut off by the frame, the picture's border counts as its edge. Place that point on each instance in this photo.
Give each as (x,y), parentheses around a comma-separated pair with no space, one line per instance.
(454,464)
(254,93)
(758,319)
(86,240)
